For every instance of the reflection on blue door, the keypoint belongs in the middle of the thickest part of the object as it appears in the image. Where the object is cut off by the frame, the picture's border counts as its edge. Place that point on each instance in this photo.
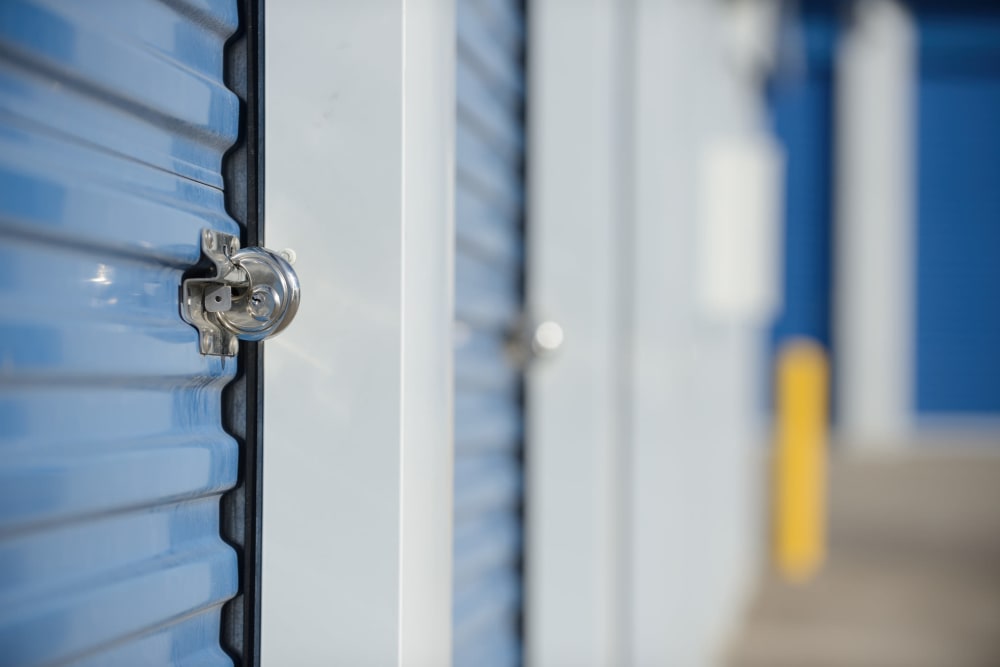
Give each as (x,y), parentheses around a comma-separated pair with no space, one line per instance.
(113,124)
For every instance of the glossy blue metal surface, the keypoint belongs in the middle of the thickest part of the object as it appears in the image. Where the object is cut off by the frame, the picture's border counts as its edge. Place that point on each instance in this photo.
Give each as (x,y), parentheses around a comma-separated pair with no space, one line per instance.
(488,267)
(113,123)
(958,209)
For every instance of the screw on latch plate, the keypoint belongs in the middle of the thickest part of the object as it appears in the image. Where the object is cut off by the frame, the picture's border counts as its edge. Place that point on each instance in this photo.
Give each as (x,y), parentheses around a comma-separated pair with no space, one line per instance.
(253,295)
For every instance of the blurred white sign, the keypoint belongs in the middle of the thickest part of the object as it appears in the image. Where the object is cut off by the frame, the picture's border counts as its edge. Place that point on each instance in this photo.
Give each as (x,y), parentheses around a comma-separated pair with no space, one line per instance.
(739,242)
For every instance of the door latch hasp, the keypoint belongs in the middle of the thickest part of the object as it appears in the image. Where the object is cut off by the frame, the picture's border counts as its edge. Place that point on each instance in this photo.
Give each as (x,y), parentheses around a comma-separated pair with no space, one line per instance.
(253,294)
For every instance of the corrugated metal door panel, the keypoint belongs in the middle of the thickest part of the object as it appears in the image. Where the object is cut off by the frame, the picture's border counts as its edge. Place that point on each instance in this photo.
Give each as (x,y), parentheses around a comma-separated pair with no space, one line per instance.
(113,123)
(488,304)
(958,206)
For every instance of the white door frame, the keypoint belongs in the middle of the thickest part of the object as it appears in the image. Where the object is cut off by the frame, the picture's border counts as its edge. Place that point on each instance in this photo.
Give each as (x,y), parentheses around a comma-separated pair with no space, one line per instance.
(358,413)
(575,223)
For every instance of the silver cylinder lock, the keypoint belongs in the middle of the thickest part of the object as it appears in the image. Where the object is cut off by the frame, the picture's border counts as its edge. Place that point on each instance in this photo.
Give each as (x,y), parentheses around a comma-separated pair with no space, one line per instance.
(253,295)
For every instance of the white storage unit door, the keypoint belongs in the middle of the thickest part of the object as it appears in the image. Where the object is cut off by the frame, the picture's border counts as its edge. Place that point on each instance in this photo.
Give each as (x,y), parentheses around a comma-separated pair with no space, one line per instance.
(488,303)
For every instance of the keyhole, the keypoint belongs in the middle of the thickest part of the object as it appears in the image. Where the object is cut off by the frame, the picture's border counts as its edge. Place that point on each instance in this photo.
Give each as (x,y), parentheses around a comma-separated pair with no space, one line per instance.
(218,299)
(262,303)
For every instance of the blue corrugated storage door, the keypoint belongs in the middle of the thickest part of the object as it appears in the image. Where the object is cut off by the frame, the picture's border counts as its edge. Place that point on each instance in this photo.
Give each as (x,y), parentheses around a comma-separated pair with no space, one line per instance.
(113,124)
(801,104)
(489,219)
(958,209)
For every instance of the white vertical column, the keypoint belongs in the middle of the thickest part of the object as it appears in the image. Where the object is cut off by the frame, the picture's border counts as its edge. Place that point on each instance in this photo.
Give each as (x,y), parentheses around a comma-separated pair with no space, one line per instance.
(875,250)
(426,480)
(575,221)
(357,443)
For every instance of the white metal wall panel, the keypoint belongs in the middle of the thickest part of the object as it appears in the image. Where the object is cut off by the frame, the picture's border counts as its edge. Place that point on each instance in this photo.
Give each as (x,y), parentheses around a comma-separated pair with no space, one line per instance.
(113,123)
(488,303)
(696,437)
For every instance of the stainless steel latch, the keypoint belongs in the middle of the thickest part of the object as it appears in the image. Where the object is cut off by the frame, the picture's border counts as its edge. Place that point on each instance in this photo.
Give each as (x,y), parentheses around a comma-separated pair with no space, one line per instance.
(253,295)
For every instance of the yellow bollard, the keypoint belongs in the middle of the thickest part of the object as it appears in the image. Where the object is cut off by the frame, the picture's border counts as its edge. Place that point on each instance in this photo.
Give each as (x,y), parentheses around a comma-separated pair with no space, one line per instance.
(800,458)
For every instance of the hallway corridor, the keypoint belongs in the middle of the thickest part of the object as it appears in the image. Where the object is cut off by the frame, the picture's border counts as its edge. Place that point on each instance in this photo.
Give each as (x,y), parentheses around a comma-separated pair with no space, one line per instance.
(912,577)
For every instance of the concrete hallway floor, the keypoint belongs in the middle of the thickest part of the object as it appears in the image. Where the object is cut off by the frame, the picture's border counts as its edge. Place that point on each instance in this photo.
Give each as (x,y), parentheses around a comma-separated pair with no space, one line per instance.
(912,577)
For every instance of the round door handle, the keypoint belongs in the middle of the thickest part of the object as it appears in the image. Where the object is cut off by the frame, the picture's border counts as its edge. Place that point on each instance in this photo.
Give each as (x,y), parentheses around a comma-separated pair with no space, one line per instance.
(547,338)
